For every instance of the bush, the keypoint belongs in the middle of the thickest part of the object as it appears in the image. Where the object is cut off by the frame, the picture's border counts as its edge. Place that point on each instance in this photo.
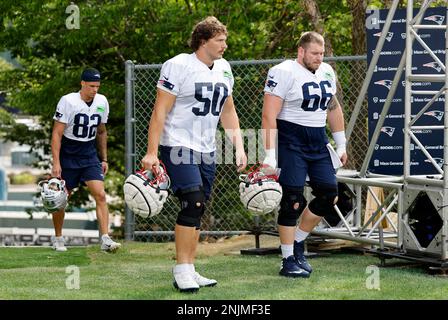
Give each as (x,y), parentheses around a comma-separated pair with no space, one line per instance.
(22,178)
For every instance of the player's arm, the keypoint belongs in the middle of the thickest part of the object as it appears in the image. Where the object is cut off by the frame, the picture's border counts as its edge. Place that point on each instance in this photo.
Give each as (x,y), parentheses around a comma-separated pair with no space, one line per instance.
(101,142)
(337,127)
(163,105)
(272,106)
(56,138)
(231,125)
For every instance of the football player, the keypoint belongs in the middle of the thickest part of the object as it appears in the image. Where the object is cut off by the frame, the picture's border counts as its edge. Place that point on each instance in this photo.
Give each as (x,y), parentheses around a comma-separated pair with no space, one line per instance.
(299,97)
(194,93)
(79,130)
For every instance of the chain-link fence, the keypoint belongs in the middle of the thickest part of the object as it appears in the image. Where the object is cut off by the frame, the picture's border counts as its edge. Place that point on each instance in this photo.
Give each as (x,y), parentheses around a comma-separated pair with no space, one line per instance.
(225,212)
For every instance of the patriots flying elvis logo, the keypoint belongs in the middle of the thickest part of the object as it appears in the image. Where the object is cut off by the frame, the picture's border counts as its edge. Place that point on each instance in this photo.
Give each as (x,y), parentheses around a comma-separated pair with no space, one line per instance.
(385,82)
(58,115)
(433,65)
(388,130)
(436,114)
(271,84)
(388,37)
(439,161)
(435,18)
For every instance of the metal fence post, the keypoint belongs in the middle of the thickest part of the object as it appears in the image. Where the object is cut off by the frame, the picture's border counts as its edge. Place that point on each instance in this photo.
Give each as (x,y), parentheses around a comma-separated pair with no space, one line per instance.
(129,226)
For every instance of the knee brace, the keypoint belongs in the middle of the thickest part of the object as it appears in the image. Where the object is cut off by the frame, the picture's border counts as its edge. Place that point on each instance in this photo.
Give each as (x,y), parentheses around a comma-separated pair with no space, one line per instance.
(325,199)
(192,202)
(291,206)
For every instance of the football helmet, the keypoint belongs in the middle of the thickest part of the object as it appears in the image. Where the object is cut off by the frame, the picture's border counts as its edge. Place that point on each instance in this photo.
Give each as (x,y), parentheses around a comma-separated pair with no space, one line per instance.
(54,194)
(259,190)
(146,191)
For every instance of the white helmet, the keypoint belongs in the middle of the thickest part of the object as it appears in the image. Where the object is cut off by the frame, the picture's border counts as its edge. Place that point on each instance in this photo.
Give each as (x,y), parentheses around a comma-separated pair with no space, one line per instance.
(145,192)
(259,191)
(54,194)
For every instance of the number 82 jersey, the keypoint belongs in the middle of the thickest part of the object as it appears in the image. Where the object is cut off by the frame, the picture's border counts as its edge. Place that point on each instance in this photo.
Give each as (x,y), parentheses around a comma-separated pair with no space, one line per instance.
(81,120)
(305,94)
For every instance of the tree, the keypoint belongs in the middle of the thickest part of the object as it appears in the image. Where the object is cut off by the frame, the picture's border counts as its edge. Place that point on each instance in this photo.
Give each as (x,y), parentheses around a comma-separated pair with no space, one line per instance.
(112,31)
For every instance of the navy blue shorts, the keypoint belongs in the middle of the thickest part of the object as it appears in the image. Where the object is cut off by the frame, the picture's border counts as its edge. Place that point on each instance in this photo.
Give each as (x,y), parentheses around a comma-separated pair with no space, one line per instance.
(187,168)
(296,164)
(73,177)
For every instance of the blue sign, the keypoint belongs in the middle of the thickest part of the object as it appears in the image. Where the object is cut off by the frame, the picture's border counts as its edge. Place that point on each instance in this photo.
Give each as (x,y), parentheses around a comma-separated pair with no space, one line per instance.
(388,154)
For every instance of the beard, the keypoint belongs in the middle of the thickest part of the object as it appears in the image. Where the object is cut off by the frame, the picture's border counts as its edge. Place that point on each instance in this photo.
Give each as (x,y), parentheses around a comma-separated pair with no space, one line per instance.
(310,66)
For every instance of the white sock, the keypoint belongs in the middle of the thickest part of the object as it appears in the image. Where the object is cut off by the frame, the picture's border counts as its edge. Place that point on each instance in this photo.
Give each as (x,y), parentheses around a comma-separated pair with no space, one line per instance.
(301,235)
(287,250)
(181,268)
(104,236)
(191,268)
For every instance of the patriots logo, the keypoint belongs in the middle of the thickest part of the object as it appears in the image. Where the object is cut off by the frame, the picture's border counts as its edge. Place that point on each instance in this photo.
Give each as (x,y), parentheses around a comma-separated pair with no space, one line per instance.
(435,18)
(403,36)
(439,161)
(386,83)
(433,65)
(166,84)
(436,114)
(388,130)
(388,37)
(271,84)
(375,99)
(58,115)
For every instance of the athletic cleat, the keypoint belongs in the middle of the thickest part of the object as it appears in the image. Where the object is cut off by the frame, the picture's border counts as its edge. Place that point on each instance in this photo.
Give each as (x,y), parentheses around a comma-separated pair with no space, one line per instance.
(58,243)
(299,254)
(203,281)
(290,268)
(108,245)
(184,282)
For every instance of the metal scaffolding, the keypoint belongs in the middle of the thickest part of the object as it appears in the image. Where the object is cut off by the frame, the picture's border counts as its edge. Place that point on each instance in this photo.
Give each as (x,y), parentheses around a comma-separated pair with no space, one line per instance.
(403,190)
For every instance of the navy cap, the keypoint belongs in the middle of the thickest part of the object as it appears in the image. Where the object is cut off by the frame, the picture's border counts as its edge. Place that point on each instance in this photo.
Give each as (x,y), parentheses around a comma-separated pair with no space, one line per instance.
(91,75)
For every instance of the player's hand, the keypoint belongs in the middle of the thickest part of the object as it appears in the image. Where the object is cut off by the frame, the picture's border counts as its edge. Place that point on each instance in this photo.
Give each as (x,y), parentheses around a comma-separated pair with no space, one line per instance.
(104,167)
(151,162)
(344,158)
(56,171)
(241,160)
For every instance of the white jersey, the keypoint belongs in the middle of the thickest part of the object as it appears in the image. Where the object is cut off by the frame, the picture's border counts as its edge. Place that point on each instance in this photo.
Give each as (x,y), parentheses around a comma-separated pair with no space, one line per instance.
(80,119)
(200,96)
(305,94)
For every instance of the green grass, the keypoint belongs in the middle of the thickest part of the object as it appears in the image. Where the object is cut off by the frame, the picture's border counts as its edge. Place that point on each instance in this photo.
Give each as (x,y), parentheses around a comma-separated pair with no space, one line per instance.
(143,271)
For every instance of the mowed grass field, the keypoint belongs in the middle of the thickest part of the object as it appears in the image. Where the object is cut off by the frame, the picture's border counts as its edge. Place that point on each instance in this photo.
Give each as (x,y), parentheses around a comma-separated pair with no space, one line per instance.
(143,271)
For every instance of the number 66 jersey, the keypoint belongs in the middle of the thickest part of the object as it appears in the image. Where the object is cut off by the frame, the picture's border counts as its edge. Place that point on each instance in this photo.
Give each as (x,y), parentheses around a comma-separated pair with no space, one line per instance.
(78,145)
(305,94)
(200,95)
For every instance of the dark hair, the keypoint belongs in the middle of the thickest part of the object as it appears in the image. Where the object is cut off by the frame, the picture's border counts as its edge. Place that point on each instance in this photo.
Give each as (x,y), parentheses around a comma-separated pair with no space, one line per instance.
(309,37)
(204,30)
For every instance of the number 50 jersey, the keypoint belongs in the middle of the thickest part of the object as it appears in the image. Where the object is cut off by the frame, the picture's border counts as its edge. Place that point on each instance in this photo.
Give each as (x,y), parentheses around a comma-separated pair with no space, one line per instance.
(305,94)
(200,95)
